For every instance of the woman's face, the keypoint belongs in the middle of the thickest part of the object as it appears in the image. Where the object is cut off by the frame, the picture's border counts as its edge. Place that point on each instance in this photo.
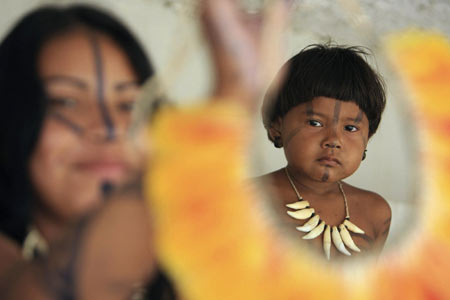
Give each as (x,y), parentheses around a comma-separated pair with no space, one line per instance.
(91,87)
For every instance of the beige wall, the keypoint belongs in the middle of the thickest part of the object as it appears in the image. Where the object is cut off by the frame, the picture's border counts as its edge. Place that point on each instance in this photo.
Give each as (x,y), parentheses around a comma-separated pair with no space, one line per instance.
(391,166)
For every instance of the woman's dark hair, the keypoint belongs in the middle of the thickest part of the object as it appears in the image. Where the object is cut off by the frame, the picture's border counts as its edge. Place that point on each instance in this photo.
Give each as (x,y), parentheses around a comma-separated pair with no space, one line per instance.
(23,101)
(329,71)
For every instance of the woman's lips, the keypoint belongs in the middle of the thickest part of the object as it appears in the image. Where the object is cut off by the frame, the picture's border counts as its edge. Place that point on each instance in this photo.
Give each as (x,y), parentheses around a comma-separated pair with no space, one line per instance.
(329,161)
(104,170)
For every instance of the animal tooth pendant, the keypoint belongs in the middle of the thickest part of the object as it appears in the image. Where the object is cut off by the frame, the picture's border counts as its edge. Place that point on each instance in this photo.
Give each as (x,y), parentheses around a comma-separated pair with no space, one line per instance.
(352,227)
(315,232)
(309,225)
(337,241)
(327,241)
(339,235)
(347,238)
(301,214)
(298,205)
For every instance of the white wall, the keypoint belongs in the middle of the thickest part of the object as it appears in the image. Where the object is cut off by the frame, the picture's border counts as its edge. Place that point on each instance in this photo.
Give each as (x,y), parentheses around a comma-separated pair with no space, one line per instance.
(391,167)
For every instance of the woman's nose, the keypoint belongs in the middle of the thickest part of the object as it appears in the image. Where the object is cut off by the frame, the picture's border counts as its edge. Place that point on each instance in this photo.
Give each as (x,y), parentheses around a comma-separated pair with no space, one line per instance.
(101,133)
(102,128)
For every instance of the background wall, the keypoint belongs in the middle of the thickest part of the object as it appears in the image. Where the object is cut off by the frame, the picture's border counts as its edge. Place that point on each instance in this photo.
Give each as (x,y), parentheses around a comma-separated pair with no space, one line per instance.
(170,33)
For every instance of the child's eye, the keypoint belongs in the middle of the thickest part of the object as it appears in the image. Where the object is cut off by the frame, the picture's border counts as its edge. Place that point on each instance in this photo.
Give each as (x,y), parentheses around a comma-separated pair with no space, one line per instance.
(126,106)
(351,128)
(314,123)
(62,102)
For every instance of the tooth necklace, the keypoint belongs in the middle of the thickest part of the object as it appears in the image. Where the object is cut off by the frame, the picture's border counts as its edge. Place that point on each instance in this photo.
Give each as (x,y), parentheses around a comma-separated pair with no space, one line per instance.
(315,226)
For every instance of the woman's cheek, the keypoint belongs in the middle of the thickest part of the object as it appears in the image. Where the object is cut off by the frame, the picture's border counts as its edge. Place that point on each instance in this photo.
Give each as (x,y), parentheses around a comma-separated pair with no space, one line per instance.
(50,165)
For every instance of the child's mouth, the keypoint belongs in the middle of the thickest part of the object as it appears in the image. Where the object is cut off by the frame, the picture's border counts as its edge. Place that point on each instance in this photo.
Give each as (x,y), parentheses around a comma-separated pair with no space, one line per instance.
(329,161)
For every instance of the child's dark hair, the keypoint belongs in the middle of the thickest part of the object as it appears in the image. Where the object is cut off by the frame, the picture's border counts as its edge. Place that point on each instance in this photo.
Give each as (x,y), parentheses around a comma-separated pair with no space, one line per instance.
(332,71)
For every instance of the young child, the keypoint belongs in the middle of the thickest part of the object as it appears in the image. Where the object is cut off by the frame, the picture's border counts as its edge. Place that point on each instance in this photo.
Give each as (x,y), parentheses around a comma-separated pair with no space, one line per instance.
(327,107)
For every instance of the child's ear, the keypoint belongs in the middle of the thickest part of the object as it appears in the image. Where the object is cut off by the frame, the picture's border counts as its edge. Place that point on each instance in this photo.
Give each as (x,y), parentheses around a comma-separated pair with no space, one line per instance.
(274,133)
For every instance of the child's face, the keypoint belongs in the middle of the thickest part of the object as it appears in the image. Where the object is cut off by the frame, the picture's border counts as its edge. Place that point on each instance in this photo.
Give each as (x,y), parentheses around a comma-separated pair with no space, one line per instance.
(324,140)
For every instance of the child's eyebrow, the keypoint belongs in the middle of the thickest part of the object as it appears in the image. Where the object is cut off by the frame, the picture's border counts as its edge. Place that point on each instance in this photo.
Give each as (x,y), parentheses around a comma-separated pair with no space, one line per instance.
(311,113)
(359,116)
(309,109)
(354,120)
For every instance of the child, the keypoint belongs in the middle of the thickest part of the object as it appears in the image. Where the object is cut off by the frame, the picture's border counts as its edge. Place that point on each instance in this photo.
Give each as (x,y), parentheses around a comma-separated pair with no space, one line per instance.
(328,106)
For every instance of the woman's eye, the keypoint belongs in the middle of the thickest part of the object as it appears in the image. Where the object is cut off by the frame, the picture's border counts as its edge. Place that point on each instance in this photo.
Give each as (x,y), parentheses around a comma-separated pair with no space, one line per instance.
(126,106)
(314,123)
(351,128)
(62,102)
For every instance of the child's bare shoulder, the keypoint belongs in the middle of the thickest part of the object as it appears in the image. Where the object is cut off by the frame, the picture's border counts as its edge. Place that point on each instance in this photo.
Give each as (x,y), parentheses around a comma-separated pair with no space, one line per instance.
(273,184)
(270,180)
(376,208)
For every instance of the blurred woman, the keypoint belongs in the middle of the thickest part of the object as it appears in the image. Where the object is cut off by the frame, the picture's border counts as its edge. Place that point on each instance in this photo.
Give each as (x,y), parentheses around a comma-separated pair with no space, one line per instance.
(69,78)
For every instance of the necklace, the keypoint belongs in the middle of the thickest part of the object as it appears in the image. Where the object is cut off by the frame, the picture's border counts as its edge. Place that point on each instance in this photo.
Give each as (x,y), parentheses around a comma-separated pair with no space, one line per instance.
(34,244)
(314,227)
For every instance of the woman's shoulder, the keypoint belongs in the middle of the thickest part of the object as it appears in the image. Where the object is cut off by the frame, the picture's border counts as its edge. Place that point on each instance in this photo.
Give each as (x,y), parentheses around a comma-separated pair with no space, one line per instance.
(10,254)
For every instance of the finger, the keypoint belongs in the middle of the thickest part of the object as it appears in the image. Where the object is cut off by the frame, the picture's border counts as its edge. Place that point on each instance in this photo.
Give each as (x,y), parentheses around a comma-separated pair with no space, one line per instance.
(223,24)
(233,45)
(272,48)
(253,22)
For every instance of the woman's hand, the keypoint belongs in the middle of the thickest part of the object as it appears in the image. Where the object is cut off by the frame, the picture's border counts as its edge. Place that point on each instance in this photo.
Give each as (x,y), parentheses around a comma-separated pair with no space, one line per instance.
(246,49)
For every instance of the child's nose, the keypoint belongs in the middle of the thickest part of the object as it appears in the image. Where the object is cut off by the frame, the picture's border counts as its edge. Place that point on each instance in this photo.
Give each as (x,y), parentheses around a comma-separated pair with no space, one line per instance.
(332,139)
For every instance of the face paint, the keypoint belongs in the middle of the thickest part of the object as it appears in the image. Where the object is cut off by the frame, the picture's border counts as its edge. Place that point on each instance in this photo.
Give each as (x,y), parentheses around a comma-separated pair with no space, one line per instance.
(291,135)
(359,117)
(101,90)
(71,125)
(337,111)
(366,238)
(309,109)
(106,188)
(309,113)
(325,176)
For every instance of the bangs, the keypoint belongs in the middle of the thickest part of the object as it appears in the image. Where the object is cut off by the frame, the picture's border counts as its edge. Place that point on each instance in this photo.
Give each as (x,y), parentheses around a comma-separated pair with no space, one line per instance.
(323,71)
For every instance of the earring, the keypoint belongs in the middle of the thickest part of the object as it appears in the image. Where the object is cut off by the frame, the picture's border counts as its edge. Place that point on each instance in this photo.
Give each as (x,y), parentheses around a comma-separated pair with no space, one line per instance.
(364,155)
(277,142)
